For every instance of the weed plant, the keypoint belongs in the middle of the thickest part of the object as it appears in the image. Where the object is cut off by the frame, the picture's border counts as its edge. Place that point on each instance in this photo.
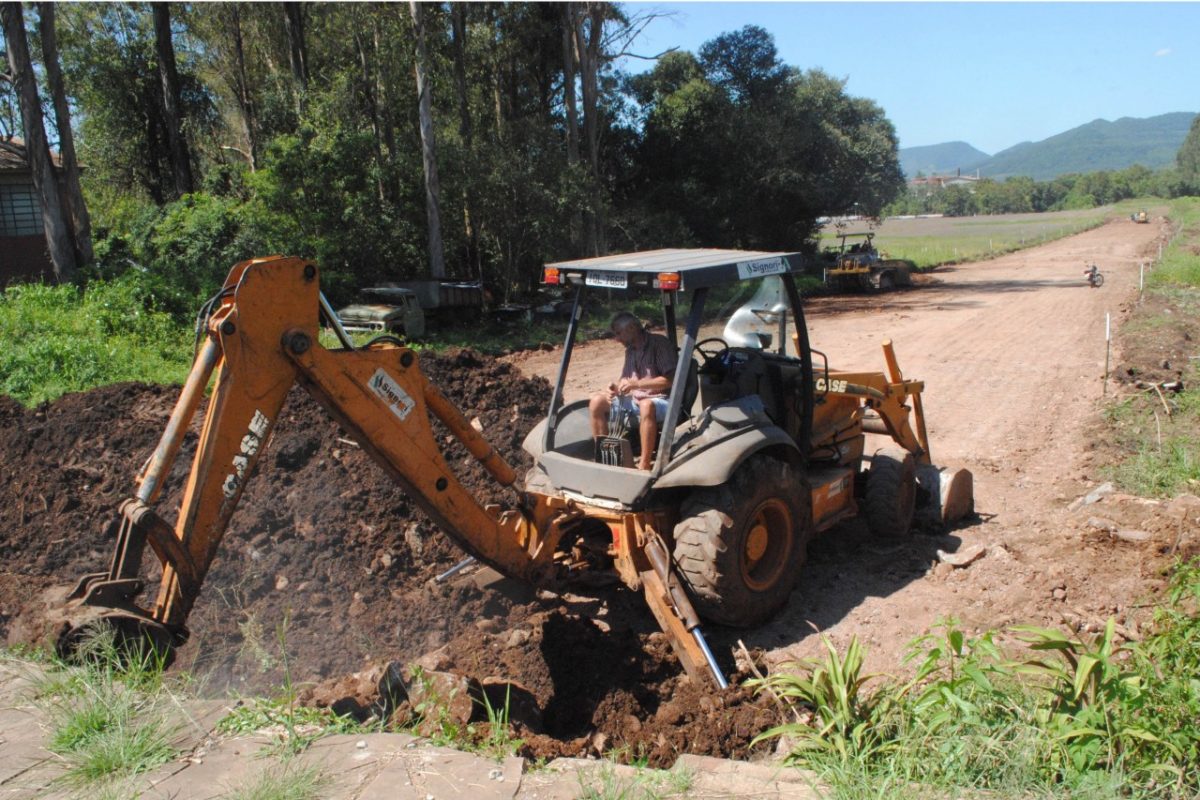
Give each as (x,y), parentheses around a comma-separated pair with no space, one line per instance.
(606,782)
(499,743)
(296,726)
(283,781)
(1069,716)
(112,714)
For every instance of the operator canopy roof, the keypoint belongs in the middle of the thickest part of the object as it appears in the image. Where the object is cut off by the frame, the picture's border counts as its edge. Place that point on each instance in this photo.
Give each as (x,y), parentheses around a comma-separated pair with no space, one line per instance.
(696,268)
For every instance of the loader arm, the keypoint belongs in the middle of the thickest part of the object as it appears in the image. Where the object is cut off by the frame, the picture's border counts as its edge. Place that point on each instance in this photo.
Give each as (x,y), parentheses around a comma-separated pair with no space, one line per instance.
(888,399)
(261,339)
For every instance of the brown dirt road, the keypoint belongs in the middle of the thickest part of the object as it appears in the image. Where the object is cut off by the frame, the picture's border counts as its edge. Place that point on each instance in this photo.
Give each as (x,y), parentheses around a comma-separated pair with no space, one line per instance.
(1012,352)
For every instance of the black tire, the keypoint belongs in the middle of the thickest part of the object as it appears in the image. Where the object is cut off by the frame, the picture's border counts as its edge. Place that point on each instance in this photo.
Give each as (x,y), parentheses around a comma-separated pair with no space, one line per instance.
(1098,281)
(886,282)
(740,546)
(891,495)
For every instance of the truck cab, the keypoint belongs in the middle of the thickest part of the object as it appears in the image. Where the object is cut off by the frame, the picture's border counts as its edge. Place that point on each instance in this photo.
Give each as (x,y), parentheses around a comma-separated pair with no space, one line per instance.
(385,309)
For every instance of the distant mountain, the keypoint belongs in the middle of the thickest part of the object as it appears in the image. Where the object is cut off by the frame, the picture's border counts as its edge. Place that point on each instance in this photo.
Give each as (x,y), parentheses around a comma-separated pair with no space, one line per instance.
(939,159)
(1098,145)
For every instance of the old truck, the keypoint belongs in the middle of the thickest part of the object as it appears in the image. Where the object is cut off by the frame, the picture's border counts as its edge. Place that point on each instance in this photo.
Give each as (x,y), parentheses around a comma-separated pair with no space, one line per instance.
(854,263)
(761,450)
(406,308)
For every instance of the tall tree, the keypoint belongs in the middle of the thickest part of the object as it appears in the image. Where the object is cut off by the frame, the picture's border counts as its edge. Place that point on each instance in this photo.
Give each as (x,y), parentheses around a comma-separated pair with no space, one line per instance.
(589,18)
(293,23)
(245,100)
(466,132)
(81,224)
(181,160)
(37,150)
(1188,158)
(437,263)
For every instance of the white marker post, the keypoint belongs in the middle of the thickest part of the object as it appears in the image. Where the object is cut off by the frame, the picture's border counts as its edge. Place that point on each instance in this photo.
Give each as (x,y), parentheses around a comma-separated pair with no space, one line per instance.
(1107,349)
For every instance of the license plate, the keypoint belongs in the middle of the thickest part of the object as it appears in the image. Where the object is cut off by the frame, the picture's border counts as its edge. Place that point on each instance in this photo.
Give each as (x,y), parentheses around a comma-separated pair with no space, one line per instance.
(609,280)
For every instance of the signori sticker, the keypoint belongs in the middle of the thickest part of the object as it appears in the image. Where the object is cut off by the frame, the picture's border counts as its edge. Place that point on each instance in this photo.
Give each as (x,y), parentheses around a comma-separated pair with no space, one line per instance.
(391,393)
(761,267)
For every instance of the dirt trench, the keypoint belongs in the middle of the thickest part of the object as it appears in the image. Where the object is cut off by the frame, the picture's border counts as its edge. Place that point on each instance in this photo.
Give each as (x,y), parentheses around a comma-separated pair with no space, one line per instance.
(327,560)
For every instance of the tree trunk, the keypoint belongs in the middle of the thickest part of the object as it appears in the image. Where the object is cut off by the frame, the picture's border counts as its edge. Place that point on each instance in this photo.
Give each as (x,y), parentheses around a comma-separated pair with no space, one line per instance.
(497,102)
(81,224)
(437,264)
(381,91)
(37,151)
(589,36)
(293,22)
(181,164)
(368,86)
(571,107)
(465,130)
(245,101)
(569,101)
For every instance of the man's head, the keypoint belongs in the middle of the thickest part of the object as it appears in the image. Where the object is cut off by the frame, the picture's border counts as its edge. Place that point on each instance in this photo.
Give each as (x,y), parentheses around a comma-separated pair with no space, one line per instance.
(626,328)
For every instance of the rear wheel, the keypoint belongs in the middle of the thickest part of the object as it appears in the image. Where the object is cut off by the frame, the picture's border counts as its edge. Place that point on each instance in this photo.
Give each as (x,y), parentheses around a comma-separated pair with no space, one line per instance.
(740,546)
(891,492)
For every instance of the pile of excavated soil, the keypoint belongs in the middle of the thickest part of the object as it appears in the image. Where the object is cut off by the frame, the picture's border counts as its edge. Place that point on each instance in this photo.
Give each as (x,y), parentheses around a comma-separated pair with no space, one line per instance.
(326,560)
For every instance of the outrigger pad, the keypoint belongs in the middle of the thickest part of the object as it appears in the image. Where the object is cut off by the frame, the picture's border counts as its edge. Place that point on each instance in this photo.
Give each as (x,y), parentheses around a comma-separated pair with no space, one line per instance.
(951,492)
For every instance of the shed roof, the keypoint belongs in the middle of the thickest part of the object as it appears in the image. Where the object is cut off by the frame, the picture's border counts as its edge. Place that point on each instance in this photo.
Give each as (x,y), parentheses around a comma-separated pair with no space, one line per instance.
(13,155)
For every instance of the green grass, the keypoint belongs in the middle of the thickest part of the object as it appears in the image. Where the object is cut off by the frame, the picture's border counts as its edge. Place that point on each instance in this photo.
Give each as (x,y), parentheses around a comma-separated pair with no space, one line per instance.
(1061,717)
(606,783)
(57,339)
(1163,450)
(1180,265)
(929,242)
(112,716)
(285,781)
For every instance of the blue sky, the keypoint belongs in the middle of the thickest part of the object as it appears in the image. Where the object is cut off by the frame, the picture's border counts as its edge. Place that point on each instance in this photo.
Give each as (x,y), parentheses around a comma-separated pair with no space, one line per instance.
(990,74)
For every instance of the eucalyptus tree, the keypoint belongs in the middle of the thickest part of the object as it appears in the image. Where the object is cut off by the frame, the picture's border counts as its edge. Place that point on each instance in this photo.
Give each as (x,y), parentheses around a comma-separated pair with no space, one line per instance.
(37,149)
(78,217)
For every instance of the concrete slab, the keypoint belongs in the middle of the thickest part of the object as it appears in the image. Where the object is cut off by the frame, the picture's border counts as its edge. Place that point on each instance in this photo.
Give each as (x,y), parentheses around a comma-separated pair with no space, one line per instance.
(21,739)
(208,772)
(720,778)
(420,773)
(691,777)
(354,762)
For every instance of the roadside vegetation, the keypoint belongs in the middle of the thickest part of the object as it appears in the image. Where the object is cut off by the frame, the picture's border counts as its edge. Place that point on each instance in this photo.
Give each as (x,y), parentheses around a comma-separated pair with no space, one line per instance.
(1031,712)
(1156,426)
(1024,712)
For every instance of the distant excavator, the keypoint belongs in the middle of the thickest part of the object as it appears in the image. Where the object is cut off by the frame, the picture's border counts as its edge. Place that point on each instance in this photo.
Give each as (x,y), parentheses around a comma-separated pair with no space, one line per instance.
(764,450)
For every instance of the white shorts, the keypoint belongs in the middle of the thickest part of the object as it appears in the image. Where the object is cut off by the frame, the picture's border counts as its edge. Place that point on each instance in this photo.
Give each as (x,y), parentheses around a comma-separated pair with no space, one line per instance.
(625,402)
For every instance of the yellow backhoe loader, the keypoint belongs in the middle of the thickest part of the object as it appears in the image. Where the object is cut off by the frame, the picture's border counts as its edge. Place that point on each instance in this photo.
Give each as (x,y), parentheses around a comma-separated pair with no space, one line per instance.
(766,450)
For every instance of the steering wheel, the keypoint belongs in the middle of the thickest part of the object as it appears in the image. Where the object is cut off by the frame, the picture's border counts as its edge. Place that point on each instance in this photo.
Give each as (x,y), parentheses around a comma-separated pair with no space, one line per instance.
(716,353)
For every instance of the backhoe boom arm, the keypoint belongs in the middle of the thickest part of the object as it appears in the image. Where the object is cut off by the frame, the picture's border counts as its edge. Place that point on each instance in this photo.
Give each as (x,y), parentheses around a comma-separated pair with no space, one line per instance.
(261,340)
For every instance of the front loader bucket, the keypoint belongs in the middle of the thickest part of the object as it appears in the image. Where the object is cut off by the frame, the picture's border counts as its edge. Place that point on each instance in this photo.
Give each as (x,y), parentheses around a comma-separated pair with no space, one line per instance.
(951,493)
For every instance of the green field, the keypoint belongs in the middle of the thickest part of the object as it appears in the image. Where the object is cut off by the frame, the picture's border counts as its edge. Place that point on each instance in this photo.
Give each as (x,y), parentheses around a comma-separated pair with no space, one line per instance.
(930,241)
